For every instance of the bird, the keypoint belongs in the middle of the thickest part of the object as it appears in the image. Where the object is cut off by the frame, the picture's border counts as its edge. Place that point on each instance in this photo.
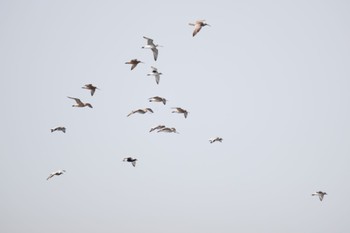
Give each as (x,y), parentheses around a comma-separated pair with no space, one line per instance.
(142,111)
(79,103)
(152,46)
(131,160)
(217,139)
(167,130)
(320,194)
(158,99)
(56,173)
(90,87)
(60,128)
(180,110)
(198,26)
(155,73)
(133,63)
(157,127)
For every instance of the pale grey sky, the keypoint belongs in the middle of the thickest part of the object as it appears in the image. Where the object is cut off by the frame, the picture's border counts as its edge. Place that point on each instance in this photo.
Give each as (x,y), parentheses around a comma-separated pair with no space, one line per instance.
(269,77)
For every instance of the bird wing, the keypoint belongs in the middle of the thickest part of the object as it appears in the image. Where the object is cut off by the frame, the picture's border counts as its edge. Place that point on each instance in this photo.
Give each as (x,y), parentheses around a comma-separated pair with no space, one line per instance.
(155,53)
(133,163)
(154,69)
(321,197)
(197,28)
(157,78)
(132,112)
(93,91)
(149,41)
(185,114)
(76,100)
(50,176)
(133,65)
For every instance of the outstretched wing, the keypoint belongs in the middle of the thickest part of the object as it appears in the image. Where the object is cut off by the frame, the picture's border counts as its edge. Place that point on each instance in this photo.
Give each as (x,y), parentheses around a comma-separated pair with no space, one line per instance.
(50,176)
(133,66)
(197,28)
(155,53)
(76,100)
(149,41)
(132,112)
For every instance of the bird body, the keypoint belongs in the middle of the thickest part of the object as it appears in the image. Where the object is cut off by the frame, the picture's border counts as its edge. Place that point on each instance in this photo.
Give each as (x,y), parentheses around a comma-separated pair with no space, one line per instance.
(63,129)
(167,130)
(217,139)
(90,87)
(56,173)
(181,111)
(141,111)
(198,26)
(152,46)
(155,73)
(158,99)
(130,160)
(80,104)
(133,63)
(320,194)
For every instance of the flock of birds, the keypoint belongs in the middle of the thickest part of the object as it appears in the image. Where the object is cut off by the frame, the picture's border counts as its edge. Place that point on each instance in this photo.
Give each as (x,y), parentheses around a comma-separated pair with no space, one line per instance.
(198,25)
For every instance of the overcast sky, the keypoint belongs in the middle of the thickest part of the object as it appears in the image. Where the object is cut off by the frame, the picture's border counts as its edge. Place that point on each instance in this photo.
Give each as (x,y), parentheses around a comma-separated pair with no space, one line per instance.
(269,77)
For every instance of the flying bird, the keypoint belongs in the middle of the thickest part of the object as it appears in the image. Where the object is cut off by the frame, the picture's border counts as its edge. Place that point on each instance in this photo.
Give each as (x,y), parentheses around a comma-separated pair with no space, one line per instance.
(152,46)
(155,73)
(181,111)
(198,26)
(217,139)
(56,173)
(320,194)
(63,129)
(90,87)
(158,99)
(167,130)
(157,127)
(141,111)
(79,103)
(133,63)
(131,160)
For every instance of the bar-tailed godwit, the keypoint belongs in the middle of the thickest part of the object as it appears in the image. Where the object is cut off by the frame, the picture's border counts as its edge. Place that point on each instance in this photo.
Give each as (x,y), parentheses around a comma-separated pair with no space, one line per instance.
(80,104)
(198,26)
(152,46)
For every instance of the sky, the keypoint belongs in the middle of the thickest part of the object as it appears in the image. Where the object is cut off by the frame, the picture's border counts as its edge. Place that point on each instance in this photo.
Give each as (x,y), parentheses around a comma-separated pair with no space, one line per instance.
(269,77)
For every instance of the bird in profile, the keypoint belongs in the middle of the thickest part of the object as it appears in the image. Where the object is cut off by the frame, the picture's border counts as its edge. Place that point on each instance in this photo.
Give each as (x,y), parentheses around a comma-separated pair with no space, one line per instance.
(141,111)
(320,194)
(217,139)
(79,103)
(157,128)
(63,129)
(90,87)
(152,46)
(133,63)
(198,26)
(180,110)
(158,99)
(155,73)
(130,160)
(56,173)
(167,130)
